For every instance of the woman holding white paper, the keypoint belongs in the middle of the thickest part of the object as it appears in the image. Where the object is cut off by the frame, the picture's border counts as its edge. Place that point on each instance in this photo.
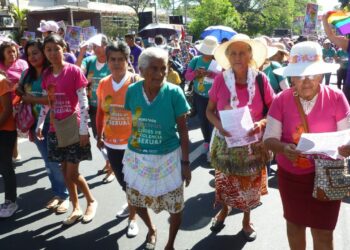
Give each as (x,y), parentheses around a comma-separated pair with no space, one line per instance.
(325,110)
(240,176)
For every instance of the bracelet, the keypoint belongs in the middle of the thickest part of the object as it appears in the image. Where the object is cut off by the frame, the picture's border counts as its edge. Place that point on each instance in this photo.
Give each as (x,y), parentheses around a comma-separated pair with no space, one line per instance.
(185,162)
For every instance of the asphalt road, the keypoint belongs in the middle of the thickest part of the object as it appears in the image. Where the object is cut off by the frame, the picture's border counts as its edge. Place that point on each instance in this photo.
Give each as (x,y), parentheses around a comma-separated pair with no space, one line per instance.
(34,227)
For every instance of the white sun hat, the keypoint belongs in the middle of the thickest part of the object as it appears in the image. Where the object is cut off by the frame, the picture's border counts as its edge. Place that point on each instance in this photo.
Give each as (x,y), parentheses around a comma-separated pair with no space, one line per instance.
(306,59)
(259,51)
(208,45)
(46,26)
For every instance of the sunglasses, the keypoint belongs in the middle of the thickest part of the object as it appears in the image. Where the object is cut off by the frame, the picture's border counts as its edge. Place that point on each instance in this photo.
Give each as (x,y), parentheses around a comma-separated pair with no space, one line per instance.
(302,78)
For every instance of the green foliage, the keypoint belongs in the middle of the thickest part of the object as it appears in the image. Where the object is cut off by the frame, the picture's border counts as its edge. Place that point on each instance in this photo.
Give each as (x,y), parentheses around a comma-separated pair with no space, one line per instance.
(20,17)
(248,16)
(214,12)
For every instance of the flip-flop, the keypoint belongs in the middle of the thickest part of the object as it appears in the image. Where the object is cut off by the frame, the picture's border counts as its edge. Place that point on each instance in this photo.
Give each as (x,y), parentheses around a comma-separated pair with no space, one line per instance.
(250,236)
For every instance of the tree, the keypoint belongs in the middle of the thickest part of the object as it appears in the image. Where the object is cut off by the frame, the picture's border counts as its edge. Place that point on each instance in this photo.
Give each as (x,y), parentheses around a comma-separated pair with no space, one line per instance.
(20,17)
(214,12)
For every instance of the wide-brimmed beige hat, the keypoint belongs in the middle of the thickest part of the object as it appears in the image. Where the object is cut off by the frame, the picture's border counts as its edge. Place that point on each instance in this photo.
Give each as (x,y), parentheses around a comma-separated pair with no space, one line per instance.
(271,51)
(306,59)
(259,51)
(208,45)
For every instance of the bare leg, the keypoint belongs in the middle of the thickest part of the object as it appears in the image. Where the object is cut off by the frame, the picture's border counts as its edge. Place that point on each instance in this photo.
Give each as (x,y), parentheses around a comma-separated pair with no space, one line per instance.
(79,182)
(247,225)
(323,239)
(221,216)
(175,222)
(132,212)
(144,215)
(296,236)
(72,189)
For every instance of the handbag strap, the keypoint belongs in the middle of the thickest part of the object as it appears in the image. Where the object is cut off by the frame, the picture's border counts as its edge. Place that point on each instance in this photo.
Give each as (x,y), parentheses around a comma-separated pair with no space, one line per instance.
(301,112)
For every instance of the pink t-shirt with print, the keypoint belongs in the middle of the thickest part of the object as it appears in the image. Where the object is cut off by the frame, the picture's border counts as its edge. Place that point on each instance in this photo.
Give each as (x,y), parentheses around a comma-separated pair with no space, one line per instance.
(220,94)
(62,90)
(331,106)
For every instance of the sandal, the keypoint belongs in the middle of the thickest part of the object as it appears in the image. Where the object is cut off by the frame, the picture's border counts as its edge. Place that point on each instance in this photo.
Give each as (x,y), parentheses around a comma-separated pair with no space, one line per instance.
(216,225)
(108,178)
(53,203)
(250,236)
(63,207)
(151,241)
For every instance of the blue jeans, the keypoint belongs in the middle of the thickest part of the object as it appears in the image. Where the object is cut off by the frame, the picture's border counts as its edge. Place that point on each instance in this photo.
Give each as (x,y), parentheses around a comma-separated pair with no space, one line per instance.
(53,169)
(201,103)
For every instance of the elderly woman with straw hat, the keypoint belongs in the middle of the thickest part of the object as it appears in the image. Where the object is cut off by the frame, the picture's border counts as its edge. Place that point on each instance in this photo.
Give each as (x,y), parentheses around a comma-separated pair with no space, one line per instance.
(203,78)
(310,107)
(240,176)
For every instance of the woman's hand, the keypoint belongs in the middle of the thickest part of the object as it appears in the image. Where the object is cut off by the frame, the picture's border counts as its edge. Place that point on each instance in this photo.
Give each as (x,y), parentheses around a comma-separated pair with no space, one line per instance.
(100,144)
(290,152)
(344,150)
(201,72)
(186,172)
(39,134)
(258,127)
(223,132)
(84,140)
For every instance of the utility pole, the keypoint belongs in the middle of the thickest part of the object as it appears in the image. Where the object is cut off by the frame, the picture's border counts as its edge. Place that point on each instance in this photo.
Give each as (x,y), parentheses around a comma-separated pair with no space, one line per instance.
(185,12)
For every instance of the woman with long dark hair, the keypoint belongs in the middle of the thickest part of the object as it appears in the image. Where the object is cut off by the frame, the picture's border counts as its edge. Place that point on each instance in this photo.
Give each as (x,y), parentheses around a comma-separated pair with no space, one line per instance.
(31,92)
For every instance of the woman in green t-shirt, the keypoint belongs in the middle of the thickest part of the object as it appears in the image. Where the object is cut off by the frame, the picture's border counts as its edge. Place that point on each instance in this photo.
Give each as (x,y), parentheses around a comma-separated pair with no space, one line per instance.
(156,161)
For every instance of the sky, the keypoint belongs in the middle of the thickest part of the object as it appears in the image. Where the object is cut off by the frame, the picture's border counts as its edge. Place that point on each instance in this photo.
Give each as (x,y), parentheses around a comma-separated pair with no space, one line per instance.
(327,4)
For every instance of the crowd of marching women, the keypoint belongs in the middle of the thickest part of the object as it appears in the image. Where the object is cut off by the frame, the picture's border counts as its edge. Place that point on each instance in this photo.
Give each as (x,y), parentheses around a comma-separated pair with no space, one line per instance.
(136,101)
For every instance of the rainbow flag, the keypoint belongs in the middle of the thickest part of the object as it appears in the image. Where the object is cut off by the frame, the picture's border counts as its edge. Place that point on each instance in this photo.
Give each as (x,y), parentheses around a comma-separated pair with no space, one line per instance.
(341,21)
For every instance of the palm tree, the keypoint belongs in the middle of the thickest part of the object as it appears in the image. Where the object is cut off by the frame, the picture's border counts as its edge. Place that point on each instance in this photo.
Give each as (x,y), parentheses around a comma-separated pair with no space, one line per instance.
(20,17)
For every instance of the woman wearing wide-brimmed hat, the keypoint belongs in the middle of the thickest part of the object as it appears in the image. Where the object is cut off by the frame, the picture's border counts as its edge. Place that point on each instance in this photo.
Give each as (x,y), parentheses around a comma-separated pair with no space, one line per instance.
(240,176)
(326,110)
(203,79)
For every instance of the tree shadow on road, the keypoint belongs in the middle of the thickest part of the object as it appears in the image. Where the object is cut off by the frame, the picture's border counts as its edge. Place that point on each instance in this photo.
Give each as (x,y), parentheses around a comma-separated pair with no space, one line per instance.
(222,242)
(199,211)
(97,238)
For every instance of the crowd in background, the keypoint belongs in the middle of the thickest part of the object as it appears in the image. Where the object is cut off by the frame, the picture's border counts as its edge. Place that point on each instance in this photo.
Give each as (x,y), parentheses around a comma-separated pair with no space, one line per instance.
(119,88)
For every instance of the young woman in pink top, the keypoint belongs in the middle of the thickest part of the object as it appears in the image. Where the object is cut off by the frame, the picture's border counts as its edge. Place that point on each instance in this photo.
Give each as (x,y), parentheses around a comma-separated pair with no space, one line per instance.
(65,86)
(326,110)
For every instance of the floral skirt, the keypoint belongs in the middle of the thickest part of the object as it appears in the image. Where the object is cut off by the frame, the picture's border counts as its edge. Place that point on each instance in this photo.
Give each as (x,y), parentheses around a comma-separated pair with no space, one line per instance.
(240,192)
(243,161)
(173,202)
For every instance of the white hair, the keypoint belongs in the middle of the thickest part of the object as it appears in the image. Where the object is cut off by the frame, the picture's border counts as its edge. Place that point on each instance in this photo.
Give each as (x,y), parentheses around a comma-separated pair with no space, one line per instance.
(152,53)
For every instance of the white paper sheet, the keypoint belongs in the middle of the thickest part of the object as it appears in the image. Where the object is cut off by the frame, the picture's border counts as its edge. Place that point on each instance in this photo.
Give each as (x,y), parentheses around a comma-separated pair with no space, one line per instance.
(238,122)
(324,143)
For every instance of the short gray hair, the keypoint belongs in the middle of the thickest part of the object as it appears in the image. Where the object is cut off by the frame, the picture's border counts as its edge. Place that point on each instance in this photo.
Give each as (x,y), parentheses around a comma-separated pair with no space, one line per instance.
(152,53)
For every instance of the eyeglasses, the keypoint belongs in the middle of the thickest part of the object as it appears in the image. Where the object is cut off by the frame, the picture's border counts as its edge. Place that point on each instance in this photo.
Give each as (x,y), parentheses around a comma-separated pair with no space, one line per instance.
(302,78)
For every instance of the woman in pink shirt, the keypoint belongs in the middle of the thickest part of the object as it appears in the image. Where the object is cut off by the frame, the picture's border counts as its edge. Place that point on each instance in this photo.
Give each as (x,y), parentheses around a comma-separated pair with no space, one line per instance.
(65,85)
(326,110)
(240,176)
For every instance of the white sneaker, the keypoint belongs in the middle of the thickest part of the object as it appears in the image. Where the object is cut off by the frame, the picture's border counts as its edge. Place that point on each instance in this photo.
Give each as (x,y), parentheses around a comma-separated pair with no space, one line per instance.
(124,212)
(133,229)
(8,209)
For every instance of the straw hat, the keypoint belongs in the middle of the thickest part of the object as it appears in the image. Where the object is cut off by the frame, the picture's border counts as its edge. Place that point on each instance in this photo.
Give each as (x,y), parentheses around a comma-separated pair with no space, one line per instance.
(306,59)
(46,26)
(259,51)
(208,45)
(271,51)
